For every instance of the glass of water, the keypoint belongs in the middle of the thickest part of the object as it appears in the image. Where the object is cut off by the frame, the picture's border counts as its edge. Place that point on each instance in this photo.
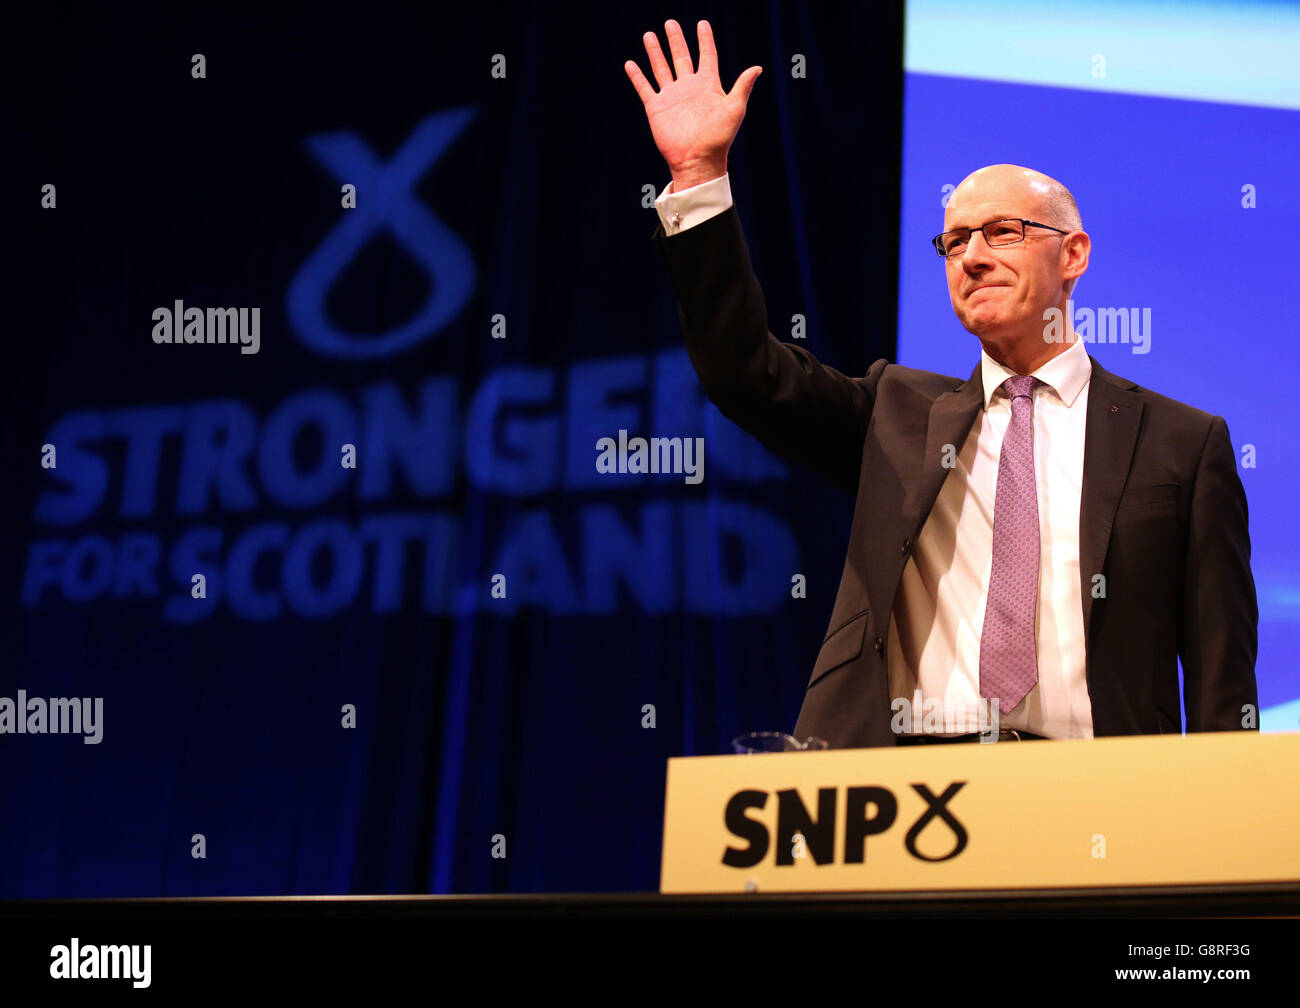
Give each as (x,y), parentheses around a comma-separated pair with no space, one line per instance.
(775,741)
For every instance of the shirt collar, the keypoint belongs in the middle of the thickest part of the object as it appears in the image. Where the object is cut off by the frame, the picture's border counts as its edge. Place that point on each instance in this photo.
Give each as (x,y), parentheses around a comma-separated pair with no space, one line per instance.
(1065,374)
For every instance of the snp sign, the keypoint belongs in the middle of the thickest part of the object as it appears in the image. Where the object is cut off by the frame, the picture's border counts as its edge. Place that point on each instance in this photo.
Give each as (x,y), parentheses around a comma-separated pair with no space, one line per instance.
(384,201)
(868,811)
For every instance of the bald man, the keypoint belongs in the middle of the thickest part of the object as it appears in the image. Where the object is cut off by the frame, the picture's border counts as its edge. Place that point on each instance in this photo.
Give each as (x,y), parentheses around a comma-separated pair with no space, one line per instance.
(1034,548)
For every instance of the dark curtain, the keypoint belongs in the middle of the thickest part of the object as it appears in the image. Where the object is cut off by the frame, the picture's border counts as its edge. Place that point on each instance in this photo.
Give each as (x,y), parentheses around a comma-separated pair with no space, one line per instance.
(479,726)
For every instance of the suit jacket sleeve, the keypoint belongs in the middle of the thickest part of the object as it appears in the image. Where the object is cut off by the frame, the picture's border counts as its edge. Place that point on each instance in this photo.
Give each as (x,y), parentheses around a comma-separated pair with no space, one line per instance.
(778,392)
(1218,637)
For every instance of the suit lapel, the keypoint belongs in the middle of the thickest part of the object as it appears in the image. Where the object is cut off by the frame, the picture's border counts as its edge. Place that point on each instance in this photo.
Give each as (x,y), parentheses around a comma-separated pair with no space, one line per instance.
(1114,416)
(951,416)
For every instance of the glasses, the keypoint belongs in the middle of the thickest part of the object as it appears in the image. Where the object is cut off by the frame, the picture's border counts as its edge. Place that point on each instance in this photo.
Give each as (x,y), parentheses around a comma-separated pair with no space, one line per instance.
(996,233)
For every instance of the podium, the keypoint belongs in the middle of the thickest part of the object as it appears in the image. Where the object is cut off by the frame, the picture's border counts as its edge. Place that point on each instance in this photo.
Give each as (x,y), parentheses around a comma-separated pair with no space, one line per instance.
(1151,810)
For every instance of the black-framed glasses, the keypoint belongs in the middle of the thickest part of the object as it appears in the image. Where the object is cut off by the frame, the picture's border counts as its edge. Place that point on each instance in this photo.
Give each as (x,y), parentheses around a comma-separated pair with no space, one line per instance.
(999,232)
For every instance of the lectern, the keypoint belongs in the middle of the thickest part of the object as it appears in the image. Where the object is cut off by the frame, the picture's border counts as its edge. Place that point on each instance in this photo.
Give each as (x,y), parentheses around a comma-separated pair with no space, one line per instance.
(1221,807)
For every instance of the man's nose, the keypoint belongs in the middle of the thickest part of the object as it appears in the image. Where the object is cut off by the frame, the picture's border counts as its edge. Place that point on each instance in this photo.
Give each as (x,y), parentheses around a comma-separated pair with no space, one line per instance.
(977,252)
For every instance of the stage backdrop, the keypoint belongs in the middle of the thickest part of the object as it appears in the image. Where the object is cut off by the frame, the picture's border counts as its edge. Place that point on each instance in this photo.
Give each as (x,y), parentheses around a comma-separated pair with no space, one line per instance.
(360,610)
(1177,127)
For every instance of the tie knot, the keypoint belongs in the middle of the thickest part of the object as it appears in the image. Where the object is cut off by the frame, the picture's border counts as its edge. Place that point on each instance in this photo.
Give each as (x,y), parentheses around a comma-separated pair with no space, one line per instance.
(1019,385)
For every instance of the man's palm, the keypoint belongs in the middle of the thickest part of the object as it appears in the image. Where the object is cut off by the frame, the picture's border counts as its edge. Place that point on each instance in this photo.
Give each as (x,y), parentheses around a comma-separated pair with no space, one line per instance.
(693,121)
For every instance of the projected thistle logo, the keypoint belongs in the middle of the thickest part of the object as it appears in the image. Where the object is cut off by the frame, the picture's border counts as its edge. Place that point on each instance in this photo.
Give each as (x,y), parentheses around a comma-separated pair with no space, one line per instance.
(385,201)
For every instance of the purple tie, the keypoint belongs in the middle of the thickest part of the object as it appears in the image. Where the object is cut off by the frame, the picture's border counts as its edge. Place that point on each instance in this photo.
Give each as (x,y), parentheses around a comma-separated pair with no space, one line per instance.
(1008,651)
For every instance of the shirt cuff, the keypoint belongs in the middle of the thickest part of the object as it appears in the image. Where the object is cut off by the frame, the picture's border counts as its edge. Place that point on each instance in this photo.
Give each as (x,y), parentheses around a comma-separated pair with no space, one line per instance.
(681,210)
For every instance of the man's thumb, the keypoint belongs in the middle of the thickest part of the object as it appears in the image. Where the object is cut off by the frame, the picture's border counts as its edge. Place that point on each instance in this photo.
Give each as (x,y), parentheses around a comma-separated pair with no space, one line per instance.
(745,83)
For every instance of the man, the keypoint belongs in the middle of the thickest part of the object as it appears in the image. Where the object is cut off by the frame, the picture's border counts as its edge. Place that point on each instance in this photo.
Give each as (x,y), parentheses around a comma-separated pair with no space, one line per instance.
(1043,540)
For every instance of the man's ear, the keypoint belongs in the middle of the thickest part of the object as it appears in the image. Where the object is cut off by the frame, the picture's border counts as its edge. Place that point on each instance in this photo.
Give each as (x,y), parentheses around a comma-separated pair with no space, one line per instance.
(1075,250)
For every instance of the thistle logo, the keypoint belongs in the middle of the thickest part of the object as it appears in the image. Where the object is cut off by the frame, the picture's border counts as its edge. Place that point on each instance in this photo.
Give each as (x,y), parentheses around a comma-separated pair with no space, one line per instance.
(384,200)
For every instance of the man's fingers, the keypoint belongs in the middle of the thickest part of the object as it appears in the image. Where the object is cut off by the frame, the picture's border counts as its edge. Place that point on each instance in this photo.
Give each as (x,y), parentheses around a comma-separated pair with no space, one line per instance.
(658,64)
(643,88)
(682,65)
(708,52)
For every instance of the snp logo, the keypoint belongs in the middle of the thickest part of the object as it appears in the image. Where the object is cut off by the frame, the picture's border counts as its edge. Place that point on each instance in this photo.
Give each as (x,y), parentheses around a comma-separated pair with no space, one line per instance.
(384,201)
(868,811)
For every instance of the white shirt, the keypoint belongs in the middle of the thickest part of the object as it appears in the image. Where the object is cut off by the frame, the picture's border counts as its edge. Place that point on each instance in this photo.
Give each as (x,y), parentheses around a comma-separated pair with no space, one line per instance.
(934,630)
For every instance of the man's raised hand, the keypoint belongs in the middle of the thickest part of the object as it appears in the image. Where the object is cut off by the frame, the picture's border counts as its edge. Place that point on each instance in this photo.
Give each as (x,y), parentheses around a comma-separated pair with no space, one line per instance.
(693,121)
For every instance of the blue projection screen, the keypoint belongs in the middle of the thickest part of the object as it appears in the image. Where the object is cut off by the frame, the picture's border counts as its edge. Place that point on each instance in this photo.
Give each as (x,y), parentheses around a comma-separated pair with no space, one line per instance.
(1177,127)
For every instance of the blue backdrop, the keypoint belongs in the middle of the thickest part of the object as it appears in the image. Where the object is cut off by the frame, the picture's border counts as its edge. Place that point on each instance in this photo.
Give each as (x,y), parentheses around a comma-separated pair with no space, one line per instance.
(1177,127)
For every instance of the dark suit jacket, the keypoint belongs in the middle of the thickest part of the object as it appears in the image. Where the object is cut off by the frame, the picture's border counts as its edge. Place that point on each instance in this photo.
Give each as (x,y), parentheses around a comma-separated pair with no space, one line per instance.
(1163,515)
